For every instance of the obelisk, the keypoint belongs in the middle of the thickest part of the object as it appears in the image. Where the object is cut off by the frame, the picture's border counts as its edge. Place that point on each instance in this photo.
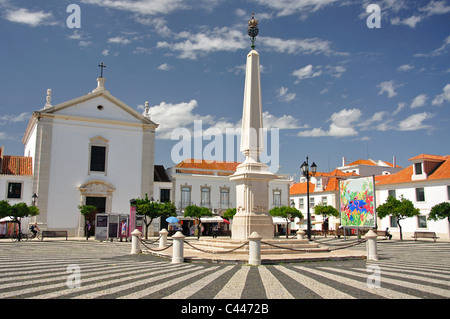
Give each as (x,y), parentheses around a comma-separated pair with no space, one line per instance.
(252,177)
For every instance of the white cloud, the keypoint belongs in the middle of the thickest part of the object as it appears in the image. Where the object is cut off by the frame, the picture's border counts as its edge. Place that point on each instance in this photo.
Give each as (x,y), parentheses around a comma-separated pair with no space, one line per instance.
(432,8)
(6,119)
(289,7)
(119,40)
(202,43)
(164,67)
(171,116)
(33,19)
(419,101)
(415,122)
(336,71)
(306,72)
(147,7)
(283,122)
(388,87)
(405,68)
(400,106)
(105,52)
(439,51)
(377,117)
(284,95)
(299,46)
(411,21)
(444,96)
(343,124)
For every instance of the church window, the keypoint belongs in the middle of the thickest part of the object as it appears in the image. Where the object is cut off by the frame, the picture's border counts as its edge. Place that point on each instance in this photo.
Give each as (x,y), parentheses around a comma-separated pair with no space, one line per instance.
(98,157)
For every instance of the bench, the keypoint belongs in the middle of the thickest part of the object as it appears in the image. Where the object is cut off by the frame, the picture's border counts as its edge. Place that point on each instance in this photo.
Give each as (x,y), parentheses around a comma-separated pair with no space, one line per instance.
(424,234)
(338,232)
(54,233)
(381,233)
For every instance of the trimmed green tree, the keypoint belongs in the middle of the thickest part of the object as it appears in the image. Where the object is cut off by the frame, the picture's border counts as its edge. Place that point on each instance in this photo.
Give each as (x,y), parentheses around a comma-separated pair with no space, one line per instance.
(325,211)
(440,211)
(151,210)
(229,213)
(197,213)
(400,209)
(16,212)
(286,212)
(86,210)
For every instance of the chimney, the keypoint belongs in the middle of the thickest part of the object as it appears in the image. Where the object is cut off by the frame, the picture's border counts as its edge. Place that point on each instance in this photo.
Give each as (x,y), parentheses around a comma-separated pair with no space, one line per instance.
(343,161)
(394,161)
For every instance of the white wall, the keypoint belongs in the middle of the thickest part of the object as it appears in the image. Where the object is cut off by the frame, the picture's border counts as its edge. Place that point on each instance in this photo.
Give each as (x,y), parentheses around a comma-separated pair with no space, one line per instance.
(69,168)
(435,193)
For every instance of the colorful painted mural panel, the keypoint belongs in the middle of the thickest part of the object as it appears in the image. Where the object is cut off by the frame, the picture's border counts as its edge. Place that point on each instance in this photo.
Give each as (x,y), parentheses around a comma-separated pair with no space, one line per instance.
(357,202)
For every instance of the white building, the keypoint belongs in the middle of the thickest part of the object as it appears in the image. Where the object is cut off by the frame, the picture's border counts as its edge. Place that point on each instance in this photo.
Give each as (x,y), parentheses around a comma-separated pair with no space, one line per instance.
(207,184)
(369,167)
(93,149)
(16,180)
(426,183)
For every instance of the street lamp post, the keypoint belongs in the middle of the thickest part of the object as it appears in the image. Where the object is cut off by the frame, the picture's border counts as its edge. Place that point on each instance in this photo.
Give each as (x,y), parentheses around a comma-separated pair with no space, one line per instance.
(305,169)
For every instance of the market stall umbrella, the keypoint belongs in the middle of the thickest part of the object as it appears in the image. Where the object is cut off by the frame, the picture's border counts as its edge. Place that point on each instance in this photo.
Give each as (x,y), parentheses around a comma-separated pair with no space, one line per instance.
(172,220)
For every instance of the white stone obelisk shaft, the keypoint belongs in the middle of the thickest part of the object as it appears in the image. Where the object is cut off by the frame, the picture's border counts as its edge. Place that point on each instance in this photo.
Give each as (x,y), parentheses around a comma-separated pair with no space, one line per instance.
(252,177)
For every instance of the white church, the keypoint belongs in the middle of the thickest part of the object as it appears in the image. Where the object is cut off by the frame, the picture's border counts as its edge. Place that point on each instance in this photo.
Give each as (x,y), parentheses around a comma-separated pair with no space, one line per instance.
(93,150)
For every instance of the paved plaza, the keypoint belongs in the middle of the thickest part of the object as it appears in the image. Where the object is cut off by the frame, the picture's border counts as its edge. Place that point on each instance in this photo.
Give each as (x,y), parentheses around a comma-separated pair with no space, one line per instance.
(92,269)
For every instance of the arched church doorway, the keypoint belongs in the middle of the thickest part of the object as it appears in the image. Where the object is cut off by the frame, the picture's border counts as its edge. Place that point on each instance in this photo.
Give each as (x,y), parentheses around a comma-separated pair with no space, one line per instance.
(100,203)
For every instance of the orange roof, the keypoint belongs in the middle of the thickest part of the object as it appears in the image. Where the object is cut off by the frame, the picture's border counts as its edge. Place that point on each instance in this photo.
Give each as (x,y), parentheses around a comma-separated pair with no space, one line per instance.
(428,157)
(404,176)
(204,167)
(369,162)
(300,188)
(443,171)
(333,184)
(17,165)
(336,172)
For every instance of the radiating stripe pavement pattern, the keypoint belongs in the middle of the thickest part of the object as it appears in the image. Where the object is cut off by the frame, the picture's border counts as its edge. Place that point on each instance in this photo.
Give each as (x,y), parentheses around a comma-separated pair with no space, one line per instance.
(106,270)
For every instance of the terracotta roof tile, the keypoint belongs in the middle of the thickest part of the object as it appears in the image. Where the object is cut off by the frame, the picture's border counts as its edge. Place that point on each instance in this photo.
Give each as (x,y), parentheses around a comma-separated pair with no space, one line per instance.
(443,171)
(428,157)
(17,165)
(205,167)
(300,188)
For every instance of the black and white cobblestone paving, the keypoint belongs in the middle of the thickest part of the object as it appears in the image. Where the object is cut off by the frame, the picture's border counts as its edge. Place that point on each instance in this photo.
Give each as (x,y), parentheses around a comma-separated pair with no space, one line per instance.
(37,270)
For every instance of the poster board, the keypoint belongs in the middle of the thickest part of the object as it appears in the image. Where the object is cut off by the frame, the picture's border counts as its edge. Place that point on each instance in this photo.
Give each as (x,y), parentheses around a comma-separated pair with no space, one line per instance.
(101,226)
(357,202)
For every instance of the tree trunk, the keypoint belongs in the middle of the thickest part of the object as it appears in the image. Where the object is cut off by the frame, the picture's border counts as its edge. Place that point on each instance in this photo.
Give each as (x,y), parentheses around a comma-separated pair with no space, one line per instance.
(198,229)
(400,228)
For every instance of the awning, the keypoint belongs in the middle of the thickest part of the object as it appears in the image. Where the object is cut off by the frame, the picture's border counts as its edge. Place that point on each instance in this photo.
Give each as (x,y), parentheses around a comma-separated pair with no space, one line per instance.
(214,219)
(279,220)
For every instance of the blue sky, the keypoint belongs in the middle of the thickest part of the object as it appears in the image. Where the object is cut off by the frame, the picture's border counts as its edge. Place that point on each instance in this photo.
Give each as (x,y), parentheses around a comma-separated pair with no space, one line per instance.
(332,85)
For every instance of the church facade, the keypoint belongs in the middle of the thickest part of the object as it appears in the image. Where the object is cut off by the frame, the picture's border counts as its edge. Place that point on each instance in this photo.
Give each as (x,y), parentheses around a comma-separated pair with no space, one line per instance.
(93,150)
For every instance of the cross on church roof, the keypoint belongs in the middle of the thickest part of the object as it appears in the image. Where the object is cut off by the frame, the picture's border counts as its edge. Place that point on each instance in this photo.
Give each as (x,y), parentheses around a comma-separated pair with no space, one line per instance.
(101,67)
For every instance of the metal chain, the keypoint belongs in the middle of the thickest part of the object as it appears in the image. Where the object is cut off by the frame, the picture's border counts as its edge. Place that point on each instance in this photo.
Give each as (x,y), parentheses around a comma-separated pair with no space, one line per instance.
(143,243)
(152,242)
(295,249)
(216,252)
(350,245)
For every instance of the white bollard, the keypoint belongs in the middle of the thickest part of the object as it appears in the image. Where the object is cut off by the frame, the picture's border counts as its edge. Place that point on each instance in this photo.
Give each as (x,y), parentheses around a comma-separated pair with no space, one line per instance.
(371,245)
(300,234)
(178,248)
(163,239)
(254,249)
(135,242)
